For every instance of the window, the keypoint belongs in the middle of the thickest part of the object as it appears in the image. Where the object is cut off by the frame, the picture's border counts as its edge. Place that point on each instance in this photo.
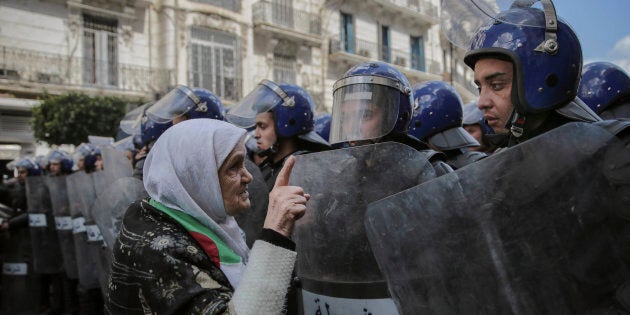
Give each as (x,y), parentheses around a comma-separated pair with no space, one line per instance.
(417,53)
(213,63)
(232,5)
(283,12)
(284,68)
(100,51)
(385,44)
(347,33)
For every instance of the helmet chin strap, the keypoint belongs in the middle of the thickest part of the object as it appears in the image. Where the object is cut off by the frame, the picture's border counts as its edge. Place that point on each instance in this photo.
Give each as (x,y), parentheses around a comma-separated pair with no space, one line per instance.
(273,149)
(516,124)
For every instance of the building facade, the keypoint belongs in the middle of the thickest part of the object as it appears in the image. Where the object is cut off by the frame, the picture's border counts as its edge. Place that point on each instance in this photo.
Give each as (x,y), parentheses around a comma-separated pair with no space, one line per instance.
(143,48)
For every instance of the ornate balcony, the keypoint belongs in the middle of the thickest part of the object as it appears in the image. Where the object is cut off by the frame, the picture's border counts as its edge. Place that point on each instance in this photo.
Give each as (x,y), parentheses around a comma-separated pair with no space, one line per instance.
(32,71)
(287,22)
(411,12)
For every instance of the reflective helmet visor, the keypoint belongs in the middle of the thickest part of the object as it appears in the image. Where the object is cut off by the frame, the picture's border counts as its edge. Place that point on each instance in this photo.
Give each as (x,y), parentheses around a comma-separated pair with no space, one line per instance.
(262,99)
(174,104)
(130,123)
(363,110)
(460,20)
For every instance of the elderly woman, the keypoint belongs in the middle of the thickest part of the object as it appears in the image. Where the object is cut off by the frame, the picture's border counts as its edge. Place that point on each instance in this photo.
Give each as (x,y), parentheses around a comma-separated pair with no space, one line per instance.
(181,251)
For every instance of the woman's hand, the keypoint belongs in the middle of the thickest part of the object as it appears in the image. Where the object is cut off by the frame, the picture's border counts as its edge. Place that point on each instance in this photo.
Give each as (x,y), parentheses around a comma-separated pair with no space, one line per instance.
(286,203)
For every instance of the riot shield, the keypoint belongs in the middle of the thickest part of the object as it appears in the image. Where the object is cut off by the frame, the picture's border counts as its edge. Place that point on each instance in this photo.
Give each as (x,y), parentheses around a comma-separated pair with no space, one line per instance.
(115,165)
(17,273)
(46,251)
(111,204)
(252,221)
(63,222)
(530,230)
(81,195)
(335,263)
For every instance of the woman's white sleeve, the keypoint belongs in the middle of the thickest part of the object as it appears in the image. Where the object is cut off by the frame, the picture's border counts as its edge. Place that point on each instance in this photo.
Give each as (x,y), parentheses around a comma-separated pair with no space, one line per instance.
(265,283)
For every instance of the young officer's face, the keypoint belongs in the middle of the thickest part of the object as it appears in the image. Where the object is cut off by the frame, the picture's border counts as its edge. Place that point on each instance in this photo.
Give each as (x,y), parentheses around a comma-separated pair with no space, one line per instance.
(265,133)
(494,81)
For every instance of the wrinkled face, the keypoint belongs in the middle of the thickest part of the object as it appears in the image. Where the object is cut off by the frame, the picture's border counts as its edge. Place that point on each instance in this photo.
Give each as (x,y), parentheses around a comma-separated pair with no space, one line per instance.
(54,168)
(265,133)
(494,81)
(475,131)
(233,178)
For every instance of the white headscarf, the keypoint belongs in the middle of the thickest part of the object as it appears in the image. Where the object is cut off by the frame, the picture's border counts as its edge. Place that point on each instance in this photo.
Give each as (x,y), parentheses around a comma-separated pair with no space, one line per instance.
(181,172)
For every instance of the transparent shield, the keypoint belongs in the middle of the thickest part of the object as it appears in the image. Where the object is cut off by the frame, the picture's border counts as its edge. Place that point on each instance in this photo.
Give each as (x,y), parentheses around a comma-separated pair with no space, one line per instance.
(334,256)
(260,100)
(46,252)
(63,223)
(363,112)
(520,232)
(115,165)
(111,204)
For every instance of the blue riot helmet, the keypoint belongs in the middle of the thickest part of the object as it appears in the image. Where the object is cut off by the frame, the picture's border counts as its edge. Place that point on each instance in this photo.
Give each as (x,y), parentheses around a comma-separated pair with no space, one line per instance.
(543,49)
(80,152)
(437,117)
(292,108)
(89,162)
(137,141)
(605,88)
(151,130)
(63,159)
(31,166)
(185,102)
(322,125)
(474,116)
(372,100)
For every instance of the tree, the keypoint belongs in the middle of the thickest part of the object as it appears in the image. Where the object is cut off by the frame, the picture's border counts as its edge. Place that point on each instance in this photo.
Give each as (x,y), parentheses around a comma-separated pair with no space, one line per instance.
(70,118)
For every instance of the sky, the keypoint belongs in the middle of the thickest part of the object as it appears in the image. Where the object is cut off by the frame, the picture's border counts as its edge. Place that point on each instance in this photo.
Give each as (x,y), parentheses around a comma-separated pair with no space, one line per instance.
(603,27)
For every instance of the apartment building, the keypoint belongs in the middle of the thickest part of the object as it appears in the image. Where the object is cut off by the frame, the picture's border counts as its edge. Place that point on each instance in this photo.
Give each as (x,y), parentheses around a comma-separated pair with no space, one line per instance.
(142,48)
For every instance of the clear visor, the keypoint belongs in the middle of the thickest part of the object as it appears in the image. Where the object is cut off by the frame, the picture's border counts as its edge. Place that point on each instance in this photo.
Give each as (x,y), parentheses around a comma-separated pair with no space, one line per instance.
(174,104)
(260,100)
(363,111)
(461,19)
(130,124)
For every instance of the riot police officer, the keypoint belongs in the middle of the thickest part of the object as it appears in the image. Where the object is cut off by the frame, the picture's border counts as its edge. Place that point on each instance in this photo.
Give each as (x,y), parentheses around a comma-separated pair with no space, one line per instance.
(283,115)
(437,120)
(18,277)
(560,162)
(528,84)
(373,103)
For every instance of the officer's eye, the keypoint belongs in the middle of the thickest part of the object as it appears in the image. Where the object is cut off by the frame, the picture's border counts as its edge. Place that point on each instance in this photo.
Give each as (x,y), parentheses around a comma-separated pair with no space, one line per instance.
(368,114)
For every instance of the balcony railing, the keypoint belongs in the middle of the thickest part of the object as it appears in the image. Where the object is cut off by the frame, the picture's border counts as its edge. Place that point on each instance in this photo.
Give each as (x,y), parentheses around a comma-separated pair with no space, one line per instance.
(420,6)
(287,17)
(44,68)
(232,5)
(415,7)
(398,57)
